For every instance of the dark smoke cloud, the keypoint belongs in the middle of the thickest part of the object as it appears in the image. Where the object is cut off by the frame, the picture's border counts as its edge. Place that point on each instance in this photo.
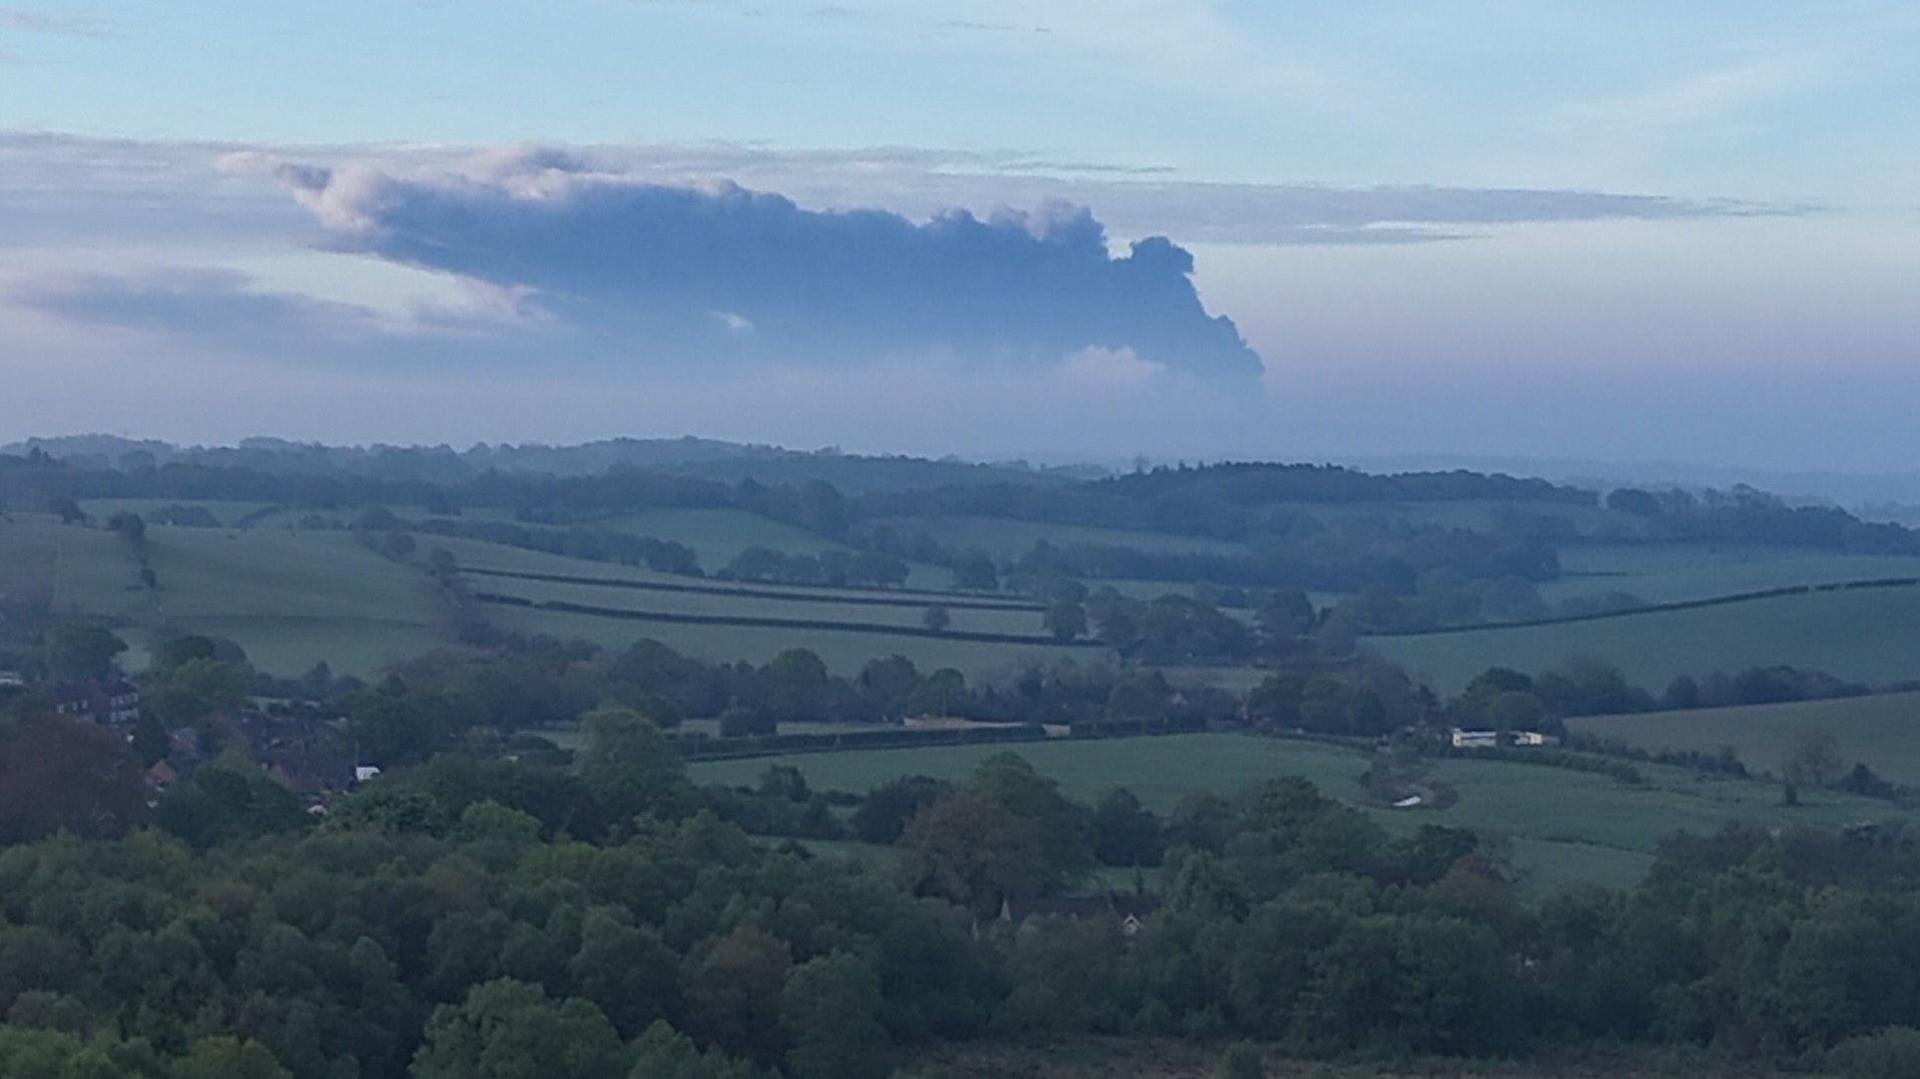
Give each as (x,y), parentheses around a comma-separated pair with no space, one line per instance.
(692,274)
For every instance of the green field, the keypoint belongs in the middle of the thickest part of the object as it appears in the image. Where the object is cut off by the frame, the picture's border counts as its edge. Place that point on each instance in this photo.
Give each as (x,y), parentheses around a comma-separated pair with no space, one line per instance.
(1882,730)
(1866,635)
(843,652)
(289,599)
(1562,826)
(1480,515)
(224,512)
(1671,573)
(718,535)
(292,598)
(907,616)
(68,568)
(478,554)
(1006,538)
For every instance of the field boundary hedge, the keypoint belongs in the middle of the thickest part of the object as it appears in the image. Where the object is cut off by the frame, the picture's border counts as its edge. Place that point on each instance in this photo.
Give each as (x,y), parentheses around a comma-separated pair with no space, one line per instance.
(894,598)
(252,517)
(703,747)
(1657,608)
(747,621)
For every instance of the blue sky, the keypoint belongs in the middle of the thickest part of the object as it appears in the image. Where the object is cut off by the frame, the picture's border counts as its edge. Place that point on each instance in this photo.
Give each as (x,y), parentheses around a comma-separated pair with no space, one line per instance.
(1622,231)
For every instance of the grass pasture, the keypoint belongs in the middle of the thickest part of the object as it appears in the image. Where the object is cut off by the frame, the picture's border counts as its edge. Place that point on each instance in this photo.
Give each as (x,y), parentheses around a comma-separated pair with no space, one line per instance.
(717,535)
(1867,635)
(1480,515)
(1675,573)
(1562,826)
(843,652)
(479,554)
(1881,730)
(68,569)
(907,615)
(291,599)
(1007,538)
(227,513)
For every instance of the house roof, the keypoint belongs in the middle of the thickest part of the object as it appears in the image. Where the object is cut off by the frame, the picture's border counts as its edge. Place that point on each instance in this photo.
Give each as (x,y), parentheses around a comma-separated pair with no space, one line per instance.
(1079,908)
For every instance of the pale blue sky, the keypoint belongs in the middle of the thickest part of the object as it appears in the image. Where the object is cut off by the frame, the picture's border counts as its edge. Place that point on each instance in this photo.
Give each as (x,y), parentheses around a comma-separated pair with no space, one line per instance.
(1755,99)
(1764,274)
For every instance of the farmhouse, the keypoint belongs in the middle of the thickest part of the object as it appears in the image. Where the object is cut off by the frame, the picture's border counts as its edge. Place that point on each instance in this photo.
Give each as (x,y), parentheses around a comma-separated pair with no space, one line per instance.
(113,703)
(1465,739)
(1131,913)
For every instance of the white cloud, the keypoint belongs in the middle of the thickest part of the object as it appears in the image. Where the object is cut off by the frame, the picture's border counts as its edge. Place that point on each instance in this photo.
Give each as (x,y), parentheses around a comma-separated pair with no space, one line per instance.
(733,323)
(1109,368)
(43,21)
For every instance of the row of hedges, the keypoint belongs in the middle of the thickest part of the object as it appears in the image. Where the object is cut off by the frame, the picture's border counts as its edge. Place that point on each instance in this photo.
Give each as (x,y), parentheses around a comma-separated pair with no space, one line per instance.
(1653,608)
(966,603)
(746,621)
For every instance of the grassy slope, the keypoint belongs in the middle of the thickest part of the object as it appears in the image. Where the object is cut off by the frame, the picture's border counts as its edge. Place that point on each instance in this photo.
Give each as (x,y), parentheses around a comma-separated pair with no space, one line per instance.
(1868,635)
(224,512)
(1564,826)
(290,599)
(74,569)
(844,653)
(1668,573)
(1883,731)
(1005,538)
(483,555)
(293,598)
(1593,522)
(717,535)
(1022,623)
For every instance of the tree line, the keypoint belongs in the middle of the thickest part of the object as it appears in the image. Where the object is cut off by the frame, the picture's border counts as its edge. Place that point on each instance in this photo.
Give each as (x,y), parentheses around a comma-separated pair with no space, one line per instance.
(494,918)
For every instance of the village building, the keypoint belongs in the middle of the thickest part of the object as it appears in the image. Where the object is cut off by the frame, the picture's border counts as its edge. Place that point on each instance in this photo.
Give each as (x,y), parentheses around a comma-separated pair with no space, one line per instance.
(1466,739)
(1130,912)
(111,703)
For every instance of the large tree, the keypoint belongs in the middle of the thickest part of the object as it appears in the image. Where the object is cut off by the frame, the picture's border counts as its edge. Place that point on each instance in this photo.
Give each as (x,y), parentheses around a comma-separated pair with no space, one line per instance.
(969,848)
(77,652)
(628,766)
(829,1008)
(61,775)
(507,1029)
(1065,621)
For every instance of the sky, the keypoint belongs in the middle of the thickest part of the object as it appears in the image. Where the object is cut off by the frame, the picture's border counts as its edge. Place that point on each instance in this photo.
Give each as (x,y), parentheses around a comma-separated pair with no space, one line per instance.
(1065,230)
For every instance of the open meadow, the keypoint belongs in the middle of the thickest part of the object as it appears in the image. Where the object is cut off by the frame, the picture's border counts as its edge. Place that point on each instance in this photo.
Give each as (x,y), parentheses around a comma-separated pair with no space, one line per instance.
(1561,827)
(843,652)
(1869,635)
(290,599)
(1883,731)
(1480,515)
(1006,538)
(1675,573)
